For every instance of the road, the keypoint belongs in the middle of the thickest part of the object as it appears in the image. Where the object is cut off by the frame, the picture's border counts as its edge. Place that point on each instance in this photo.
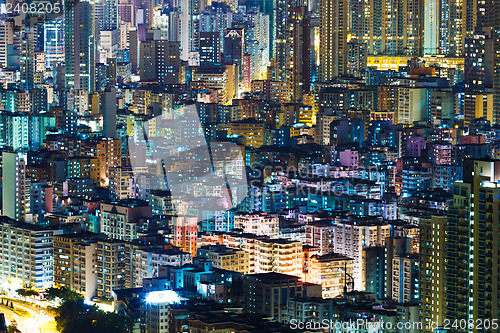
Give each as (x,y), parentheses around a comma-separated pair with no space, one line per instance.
(36,323)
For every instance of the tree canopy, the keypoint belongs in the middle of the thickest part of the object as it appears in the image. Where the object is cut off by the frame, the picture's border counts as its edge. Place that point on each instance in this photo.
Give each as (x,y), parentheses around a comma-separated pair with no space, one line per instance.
(65,294)
(75,316)
(27,292)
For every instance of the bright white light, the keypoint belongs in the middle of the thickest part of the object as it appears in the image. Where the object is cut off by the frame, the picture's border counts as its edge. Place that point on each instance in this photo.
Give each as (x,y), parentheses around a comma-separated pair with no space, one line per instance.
(163,296)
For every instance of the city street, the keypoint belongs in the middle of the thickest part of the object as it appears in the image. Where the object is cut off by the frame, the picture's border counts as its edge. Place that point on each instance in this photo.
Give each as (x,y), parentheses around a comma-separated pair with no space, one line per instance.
(36,323)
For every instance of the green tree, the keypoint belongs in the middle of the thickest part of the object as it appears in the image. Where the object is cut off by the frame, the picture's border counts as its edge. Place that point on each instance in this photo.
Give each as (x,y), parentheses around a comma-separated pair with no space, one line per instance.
(74,316)
(63,293)
(27,292)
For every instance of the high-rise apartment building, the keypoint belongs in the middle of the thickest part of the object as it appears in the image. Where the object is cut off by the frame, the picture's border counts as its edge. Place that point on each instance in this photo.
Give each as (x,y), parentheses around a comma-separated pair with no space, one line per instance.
(282,33)
(268,293)
(432,270)
(265,254)
(355,234)
(54,42)
(115,268)
(120,220)
(298,53)
(388,27)
(210,47)
(121,180)
(495,22)
(374,270)
(332,271)
(27,254)
(185,232)
(333,27)
(405,278)
(110,19)
(79,46)
(321,235)
(395,247)
(472,249)
(8,31)
(258,224)
(412,105)
(159,61)
(75,263)
(148,263)
(225,258)
(478,66)
(14,186)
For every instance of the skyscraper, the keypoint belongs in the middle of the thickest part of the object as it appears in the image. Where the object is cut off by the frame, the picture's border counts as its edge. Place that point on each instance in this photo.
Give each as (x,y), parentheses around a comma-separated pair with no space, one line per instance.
(432,271)
(431,32)
(110,15)
(54,42)
(495,18)
(234,45)
(189,30)
(333,22)
(27,60)
(298,53)
(79,44)
(14,185)
(282,33)
(451,28)
(473,249)
(210,47)
(160,61)
(108,100)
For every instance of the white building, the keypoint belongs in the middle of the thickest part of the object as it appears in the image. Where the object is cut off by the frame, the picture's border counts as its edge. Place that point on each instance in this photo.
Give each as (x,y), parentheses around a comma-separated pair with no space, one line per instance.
(27,254)
(120,220)
(156,310)
(268,255)
(149,262)
(352,236)
(261,224)
(14,203)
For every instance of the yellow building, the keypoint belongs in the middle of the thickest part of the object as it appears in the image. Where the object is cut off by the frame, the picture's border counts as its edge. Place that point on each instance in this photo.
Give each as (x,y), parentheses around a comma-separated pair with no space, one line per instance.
(225,258)
(115,261)
(267,254)
(83,167)
(432,270)
(109,153)
(275,91)
(222,79)
(333,25)
(254,132)
(330,271)
(75,262)
(384,63)
(478,106)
